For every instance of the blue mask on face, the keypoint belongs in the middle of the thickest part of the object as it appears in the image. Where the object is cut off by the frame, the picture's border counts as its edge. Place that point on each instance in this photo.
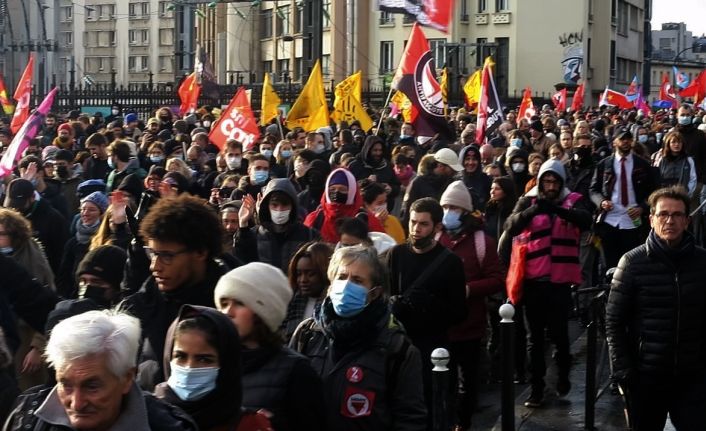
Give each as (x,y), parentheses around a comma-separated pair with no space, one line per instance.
(261,176)
(267,153)
(347,298)
(111,163)
(156,159)
(451,220)
(191,384)
(684,120)
(286,154)
(517,142)
(6,250)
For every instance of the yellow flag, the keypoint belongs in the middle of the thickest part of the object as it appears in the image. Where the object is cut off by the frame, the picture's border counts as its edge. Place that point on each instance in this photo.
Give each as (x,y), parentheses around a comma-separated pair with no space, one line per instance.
(310,111)
(471,89)
(347,106)
(404,105)
(444,84)
(270,102)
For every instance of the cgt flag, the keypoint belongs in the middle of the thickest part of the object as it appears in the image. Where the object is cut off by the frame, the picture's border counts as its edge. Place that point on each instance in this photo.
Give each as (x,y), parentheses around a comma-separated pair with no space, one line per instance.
(27,132)
(347,106)
(236,122)
(430,13)
(416,78)
(490,111)
(22,95)
(526,106)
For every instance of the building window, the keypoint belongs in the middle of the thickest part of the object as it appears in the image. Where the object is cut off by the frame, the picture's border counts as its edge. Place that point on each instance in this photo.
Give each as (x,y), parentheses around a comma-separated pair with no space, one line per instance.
(139,10)
(326,12)
(386,18)
(283,69)
(166,36)
(137,63)
(282,20)
(622,18)
(67,38)
(502,5)
(298,69)
(438,51)
(481,6)
(387,56)
(299,18)
(67,13)
(106,11)
(634,21)
(325,65)
(166,63)
(408,19)
(106,38)
(267,66)
(266,24)
(464,10)
(164,9)
(90,13)
(481,50)
(612,58)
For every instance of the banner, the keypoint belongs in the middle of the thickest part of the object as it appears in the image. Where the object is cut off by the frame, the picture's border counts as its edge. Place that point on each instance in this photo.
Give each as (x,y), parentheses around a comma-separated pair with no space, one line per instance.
(269,106)
(236,122)
(471,90)
(430,13)
(559,99)
(400,103)
(189,92)
(444,84)
(310,111)
(526,106)
(22,95)
(347,106)
(490,111)
(577,101)
(7,107)
(614,98)
(666,92)
(632,92)
(697,88)
(416,78)
(27,132)
(681,78)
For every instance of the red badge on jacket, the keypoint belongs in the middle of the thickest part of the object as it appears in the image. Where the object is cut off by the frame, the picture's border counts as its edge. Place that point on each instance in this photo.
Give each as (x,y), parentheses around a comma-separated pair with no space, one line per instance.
(354,374)
(357,403)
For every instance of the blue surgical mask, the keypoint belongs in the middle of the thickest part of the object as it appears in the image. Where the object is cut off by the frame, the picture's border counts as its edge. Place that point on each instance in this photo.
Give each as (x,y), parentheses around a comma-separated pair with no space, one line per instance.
(191,384)
(286,154)
(267,153)
(156,159)
(111,163)
(516,142)
(658,136)
(684,120)
(6,250)
(260,177)
(348,298)
(451,220)
(403,136)
(642,139)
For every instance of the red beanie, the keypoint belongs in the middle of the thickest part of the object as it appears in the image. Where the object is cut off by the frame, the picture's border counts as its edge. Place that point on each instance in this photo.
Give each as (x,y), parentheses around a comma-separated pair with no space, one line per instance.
(67,127)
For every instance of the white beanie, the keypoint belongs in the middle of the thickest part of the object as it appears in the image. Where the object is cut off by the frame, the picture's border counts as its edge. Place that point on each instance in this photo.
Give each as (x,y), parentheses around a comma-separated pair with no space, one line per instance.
(261,287)
(457,194)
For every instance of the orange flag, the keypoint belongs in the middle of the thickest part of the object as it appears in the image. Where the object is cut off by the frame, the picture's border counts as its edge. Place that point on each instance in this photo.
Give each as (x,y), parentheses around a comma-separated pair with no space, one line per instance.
(22,96)
(189,92)
(7,106)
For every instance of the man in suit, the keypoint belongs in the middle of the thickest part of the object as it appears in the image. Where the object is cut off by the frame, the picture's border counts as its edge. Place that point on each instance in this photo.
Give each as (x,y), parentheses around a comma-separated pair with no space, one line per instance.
(621,185)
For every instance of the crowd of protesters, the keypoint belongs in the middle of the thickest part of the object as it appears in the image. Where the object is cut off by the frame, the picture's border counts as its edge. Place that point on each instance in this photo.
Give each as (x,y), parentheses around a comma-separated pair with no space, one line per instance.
(302,283)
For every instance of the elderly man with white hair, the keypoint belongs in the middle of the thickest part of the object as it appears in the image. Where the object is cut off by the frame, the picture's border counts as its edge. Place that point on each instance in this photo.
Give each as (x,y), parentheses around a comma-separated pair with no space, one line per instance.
(94,356)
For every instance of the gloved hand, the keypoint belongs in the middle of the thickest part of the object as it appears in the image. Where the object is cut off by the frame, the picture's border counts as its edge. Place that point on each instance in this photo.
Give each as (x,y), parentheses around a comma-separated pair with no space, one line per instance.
(545,207)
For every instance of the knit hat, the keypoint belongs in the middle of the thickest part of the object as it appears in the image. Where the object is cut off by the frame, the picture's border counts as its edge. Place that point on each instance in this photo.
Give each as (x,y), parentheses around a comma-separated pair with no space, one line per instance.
(106,262)
(131,118)
(65,127)
(456,194)
(132,184)
(89,186)
(537,125)
(261,287)
(65,155)
(98,199)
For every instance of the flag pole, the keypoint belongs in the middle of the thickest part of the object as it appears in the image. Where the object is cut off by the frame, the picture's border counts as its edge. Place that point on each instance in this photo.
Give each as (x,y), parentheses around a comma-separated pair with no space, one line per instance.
(382,114)
(279,124)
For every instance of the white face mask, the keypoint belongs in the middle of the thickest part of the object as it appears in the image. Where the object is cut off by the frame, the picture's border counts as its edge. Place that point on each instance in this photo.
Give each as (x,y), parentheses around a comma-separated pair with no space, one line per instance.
(234,162)
(518,167)
(300,169)
(319,148)
(280,217)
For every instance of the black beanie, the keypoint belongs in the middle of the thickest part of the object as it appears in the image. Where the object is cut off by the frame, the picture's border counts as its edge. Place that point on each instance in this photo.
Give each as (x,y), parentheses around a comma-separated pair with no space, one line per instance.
(132,184)
(106,262)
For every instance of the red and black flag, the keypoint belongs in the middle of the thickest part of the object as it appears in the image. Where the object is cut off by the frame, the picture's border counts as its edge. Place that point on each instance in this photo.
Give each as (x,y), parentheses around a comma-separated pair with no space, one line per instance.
(205,75)
(490,111)
(431,13)
(416,78)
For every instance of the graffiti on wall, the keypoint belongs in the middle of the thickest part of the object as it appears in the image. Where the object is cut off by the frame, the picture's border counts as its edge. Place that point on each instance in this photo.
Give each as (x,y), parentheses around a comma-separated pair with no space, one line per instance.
(572,60)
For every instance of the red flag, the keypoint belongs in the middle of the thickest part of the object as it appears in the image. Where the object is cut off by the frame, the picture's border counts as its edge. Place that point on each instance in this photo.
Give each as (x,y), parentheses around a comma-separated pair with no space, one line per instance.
(416,78)
(189,92)
(22,96)
(432,13)
(577,102)
(490,112)
(614,98)
(526,106)
(559,99)
(697,88)
(666,92)
(236,122)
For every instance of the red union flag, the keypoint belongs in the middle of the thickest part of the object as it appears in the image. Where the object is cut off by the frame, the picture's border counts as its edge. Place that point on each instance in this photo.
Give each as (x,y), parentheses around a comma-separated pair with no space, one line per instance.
(236,122)
(559,99)
(22,95)
(526,106)
(577,101)
(416,78)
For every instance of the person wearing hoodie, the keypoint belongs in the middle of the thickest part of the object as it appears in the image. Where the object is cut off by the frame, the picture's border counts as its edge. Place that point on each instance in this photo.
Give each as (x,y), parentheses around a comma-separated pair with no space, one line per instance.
(553,218)
(476,181)
(463,234)
(66,181)
(373,163)
(274,377)
(278,233)
(341,198)
(517,167)
(122,164)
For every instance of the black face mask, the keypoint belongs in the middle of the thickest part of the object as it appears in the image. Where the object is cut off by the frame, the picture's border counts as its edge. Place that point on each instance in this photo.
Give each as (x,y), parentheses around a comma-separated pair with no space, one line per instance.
(95,294)
(63,139)
(62,171)
(582,155)
(164,118)
(338,197)
(422,243)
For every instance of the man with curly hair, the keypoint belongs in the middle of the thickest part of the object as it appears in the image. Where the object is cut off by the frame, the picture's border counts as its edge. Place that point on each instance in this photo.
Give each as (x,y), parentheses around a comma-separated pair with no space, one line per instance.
(183,241)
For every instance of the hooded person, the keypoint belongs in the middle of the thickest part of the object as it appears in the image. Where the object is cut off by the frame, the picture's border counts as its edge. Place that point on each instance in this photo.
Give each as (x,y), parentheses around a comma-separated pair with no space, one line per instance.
(374,161)
(517,167)
(208,389)
(314,181)
(476,181)
(341,198)
(278,233)
(553,217)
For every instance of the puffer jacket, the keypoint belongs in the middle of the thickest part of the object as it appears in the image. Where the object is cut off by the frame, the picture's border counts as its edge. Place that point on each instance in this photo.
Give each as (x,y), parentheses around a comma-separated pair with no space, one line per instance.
(656,312)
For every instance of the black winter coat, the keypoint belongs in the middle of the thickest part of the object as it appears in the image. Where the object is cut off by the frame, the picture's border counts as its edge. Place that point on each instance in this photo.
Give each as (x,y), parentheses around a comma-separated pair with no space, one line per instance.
(656,313)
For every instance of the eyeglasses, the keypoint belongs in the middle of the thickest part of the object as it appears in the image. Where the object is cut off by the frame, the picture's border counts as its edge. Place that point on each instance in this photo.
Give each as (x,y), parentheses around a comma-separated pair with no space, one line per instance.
(167,257)
(664,216)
